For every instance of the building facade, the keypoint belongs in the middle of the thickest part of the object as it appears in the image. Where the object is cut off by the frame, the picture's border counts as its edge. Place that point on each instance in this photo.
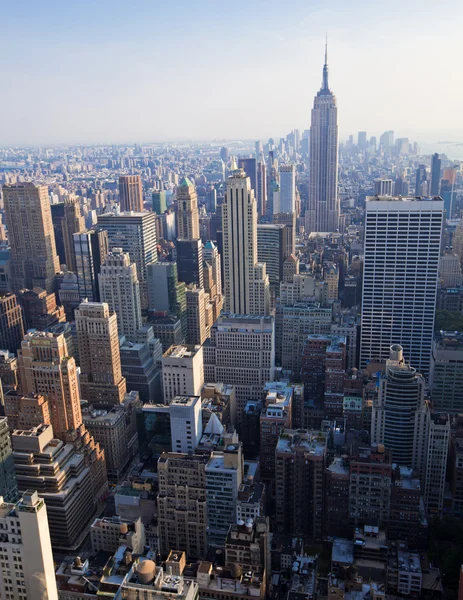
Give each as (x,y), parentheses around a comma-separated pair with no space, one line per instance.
(402,246)
(34,261)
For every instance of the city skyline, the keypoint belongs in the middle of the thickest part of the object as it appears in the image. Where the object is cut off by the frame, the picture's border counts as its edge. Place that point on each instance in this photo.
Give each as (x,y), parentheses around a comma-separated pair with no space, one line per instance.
(78,101)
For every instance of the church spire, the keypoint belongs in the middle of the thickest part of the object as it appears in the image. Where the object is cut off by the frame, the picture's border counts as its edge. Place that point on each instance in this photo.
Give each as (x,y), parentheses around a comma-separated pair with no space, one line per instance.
(325,68)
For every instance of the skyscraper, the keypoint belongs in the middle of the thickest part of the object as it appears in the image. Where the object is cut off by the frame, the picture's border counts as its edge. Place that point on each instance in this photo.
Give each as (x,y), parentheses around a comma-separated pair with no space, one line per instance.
(287,189)
(271,250)
(402,245)
(187,211)
(182,507)
(159,201)
(241,351)
(130,193)
(91,248)
(249,166)
(421,180)
(165,292)
(190,261)
(72,223)
(119,287)
(400,398)
(246,280)
(45,367)
(11,323)
(323,209)
(34,261)
(435,174)
(26,548)
(8,485)
(261,188)
(135,233)
(101,380)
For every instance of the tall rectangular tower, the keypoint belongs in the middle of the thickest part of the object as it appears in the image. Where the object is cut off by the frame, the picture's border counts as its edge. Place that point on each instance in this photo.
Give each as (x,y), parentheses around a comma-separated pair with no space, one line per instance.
(11,323)
(101,378)
(287,188)
(246,280)
(26,549)
(187,211)
(135,233)
(119,287)
(402,244)
(34,261)
(323,210)
(130,193)
(90,249)
(45,367)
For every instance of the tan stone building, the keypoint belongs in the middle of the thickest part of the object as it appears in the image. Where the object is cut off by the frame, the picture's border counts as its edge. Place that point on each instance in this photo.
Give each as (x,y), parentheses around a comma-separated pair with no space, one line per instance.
(182,510)
(101,380)
(34,261)
(130,193)
(187,212)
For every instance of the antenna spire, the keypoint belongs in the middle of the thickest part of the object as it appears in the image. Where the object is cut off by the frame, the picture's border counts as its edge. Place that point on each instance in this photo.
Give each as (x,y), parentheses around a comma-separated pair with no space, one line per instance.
(325,67)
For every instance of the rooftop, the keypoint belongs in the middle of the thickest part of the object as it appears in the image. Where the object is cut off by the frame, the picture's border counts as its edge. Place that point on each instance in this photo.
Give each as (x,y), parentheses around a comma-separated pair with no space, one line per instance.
(313,442)
(181,351)
(343,551)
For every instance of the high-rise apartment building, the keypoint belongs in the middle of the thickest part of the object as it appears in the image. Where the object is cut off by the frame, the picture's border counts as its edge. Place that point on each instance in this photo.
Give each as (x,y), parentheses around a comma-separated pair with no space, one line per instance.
(45,367)
(224,474)
(34,261)
(276,416)
(187,211)
(400,276)
(8,485)
(72,223)
(241,352)
(299,479)
(436,164)
(11,323)
(398,405)
(26,550)
(130,193)
(370,485)
(182,372)
(120,289)
(135,233)
(101,380)
(323,209)
(182,505)
(287,189)
(90,249)
(246,280)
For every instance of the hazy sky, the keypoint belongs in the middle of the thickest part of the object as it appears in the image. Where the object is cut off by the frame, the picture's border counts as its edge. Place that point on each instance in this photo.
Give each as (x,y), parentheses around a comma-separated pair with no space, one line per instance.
(111,71)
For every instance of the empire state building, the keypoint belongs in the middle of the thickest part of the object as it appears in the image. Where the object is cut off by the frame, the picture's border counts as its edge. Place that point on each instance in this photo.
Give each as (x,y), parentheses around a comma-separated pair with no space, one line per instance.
(322,214)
